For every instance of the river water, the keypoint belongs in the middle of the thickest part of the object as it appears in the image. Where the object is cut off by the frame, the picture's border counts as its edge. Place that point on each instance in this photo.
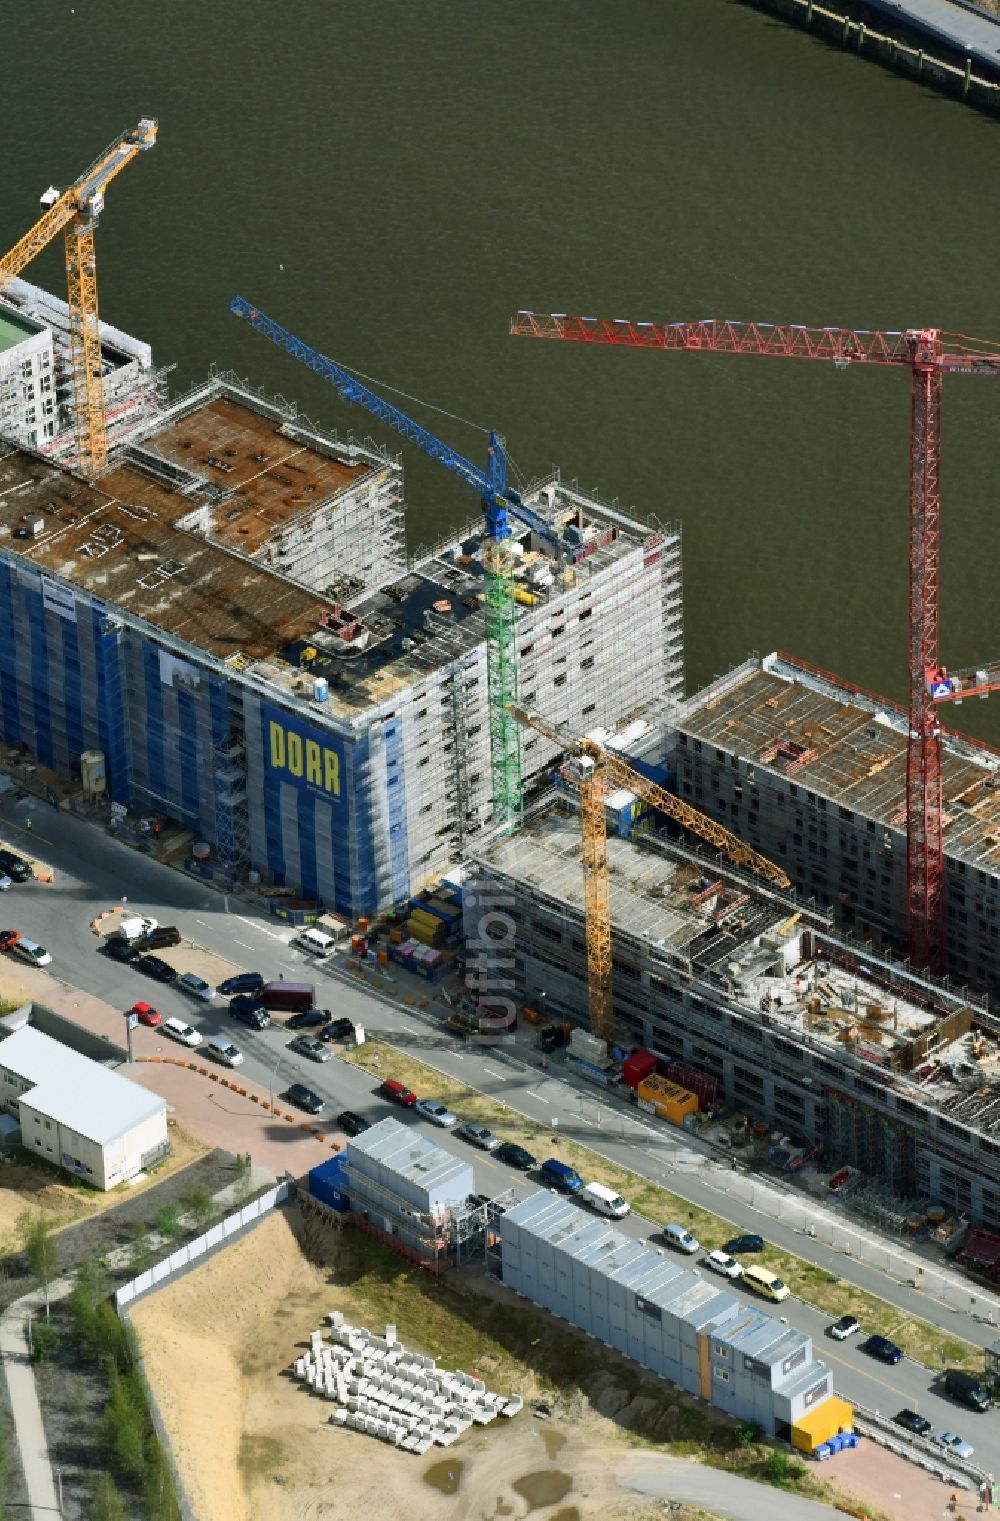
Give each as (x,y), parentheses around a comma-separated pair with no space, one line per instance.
(392,179)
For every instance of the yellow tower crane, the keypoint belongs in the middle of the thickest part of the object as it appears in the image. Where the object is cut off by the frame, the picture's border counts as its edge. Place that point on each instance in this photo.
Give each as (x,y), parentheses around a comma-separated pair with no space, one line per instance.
(75,214)
(594,770)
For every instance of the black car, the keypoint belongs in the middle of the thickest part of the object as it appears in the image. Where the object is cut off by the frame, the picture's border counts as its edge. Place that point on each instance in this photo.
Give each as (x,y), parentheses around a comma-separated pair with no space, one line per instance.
(119,949)
(911,1421)
(309,1019)
(885,1350)
(744,1244)
(156,968)
(304,1098)
(351,1123)
(242,982)
(159,939)
(248,1011)
(515,1156)
(15,866)
(339,1029)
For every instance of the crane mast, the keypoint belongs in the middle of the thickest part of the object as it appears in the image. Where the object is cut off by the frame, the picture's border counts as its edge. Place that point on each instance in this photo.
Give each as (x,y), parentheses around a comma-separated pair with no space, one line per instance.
(594,770)
(75,214)
(924,352)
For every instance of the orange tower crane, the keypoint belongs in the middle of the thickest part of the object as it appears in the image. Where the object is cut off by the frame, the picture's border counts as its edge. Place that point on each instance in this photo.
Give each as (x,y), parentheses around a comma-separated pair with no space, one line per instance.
(929,355)
(594,769)
(75,214)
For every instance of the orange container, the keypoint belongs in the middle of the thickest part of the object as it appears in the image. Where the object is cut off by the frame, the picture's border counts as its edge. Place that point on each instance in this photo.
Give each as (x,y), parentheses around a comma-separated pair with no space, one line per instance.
(383,958)
(362,926)
(531,1015)
(396,937)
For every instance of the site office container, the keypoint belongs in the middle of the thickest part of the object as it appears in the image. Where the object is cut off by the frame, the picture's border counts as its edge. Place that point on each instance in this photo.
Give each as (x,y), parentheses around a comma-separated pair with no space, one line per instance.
(667,1100)
(289,996)
(637,1067)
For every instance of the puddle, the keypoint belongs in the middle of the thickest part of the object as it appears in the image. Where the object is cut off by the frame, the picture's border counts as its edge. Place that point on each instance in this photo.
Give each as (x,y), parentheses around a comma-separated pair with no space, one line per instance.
(568,1513)
(546,1487)
(446,1477)
(554,1440)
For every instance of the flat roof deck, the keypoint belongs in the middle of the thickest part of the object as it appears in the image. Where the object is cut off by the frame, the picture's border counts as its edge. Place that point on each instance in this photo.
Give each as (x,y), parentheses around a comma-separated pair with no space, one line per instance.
(15,328)
(268,478)
(798,721)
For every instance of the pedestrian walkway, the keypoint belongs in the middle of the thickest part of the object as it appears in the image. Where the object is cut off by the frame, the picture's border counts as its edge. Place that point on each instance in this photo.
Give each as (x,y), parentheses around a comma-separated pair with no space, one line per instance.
(967,31)
(29,1430)
(724,1494)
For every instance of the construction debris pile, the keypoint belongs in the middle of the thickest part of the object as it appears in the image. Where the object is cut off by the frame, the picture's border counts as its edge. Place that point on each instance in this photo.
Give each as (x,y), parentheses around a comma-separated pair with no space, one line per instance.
(400,1397)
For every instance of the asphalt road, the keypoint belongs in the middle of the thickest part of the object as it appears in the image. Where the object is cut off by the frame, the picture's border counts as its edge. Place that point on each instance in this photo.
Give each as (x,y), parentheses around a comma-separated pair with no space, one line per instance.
(94,871)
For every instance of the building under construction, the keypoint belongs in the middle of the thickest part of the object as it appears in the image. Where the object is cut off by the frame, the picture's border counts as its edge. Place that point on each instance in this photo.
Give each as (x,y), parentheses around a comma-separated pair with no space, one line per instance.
(227,616)
(812,771)
(775,1013)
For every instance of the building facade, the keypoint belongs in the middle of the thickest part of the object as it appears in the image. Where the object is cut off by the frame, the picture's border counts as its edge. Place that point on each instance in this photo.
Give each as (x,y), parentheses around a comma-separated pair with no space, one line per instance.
(812,772)
(76,1113)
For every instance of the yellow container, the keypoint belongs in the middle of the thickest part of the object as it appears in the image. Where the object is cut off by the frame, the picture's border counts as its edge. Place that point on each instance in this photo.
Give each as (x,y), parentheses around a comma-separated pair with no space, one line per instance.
(670,1101)
(526,598)
(820,1424)
(418,931)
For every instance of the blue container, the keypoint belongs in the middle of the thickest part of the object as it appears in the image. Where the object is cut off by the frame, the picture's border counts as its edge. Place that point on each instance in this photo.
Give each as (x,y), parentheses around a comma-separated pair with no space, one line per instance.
(326,1183)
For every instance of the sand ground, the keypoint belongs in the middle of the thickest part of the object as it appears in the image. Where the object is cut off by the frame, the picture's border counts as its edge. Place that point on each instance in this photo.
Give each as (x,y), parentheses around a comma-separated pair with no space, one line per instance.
(252,1445)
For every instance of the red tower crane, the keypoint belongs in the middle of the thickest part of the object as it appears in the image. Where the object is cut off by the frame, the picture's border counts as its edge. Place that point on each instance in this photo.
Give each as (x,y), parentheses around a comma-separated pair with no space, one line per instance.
(929,355)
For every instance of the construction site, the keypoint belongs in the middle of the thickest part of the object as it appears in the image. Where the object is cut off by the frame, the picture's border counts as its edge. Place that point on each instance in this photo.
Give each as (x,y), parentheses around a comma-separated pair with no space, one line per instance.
(765,1012)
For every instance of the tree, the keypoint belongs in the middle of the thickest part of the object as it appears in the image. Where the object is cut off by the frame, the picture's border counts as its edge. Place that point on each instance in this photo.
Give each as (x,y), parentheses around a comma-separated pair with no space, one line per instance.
(89,1288)
(168,1220)
(45,1341)
(199,1206)
(106,1503)
(40,1250)
(123,1426)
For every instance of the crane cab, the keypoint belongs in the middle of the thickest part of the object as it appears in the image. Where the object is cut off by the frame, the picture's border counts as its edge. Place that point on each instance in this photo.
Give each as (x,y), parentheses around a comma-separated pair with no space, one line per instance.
(49,197)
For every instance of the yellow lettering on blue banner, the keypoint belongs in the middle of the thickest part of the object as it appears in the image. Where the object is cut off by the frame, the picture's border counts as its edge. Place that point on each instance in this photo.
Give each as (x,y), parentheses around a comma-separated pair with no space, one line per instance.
(318,764)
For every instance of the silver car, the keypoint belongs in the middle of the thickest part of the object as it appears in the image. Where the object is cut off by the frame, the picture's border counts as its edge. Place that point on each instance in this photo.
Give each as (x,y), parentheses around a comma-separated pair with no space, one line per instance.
(955,1445)
(436,1113)
(308,1045)
(190,982)
(478,1135)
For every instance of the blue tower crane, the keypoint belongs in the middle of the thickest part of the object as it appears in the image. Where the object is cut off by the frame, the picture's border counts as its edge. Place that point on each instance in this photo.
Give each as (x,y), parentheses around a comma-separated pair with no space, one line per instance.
(499,503)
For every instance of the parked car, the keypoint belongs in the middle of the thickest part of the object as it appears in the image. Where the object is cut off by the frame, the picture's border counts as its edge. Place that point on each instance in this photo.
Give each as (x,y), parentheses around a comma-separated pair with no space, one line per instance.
(351,1123)
(436,1113)
(885,1350)
(955,1445)
(178,1030)
(338,1029)
(31,952)
(478,1135)
(397,1093)
(120,950)
(5,882)
(308,1045)
(721,1262)
(156,967)
(315,942)
(248,1011)
(308,1019)
(241,982)
(146,1014)
(515,1156)
(8,939)
(843,1328)
(968,1389)
(13,865)
(678,1236)
(911,1421)
(304,1098)
(560,1176)
(190,982)
(744,1244)
(160,938)
(766,1283)
(221,1049)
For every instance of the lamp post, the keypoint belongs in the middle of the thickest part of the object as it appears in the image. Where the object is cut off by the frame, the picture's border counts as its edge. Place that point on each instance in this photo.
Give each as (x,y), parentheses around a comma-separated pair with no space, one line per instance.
(270,1081)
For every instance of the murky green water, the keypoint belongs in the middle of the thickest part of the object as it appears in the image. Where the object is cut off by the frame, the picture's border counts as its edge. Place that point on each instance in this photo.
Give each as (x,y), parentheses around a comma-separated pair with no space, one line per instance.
(392,180)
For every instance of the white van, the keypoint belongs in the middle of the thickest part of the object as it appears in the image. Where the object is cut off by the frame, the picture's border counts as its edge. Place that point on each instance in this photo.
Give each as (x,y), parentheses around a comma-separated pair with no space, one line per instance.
(676,1235)
(224,1051)
(136,926)
(604,1200)
(315,942)
(178,1030)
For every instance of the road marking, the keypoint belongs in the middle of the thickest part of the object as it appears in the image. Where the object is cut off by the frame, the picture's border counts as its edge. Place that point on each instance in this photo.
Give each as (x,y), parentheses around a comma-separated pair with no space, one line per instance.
(201,922)
(243,944)
(493,1072)
(532,1094)
(262,929)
